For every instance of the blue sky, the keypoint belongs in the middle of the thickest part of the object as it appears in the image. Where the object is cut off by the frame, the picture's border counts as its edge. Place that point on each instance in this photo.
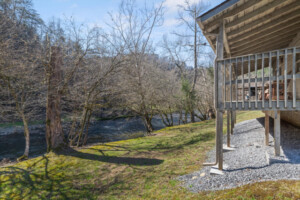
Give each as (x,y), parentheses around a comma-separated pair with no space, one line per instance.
(95,12)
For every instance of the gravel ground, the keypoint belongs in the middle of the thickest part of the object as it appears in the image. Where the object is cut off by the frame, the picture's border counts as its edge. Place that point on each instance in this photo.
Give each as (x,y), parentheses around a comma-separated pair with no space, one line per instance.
(251,161)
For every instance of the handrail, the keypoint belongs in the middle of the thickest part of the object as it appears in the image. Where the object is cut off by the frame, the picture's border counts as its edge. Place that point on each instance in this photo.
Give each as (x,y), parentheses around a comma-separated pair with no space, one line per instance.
(259,55)
(282,63)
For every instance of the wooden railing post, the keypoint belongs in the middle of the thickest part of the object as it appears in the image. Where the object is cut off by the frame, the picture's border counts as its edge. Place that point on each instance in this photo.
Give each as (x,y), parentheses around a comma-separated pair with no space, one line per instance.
(294,77)
(256,91)
(270,79)
(249,83)
(243,87)
(236,83)
(263,80)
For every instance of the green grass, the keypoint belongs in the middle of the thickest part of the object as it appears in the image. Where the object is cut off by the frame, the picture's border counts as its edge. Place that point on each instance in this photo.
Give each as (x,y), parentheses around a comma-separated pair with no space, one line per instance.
(142,168)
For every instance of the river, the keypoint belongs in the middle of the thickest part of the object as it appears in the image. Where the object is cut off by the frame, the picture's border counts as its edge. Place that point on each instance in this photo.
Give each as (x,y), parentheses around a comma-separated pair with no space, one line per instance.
(12,141)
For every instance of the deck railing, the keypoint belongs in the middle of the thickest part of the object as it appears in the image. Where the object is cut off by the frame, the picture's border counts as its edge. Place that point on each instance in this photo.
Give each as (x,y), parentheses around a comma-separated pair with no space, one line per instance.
(262,81)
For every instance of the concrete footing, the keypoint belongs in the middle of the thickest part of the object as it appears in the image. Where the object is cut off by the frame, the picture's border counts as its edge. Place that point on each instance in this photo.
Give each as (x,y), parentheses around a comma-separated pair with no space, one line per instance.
(226,148)
(214,170)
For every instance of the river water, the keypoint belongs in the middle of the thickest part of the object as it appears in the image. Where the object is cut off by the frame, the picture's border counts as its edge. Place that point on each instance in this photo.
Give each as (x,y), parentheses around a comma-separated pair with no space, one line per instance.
(12,141)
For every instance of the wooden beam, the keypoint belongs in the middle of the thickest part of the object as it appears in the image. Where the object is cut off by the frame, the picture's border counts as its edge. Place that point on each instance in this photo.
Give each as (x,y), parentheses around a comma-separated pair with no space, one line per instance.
(256,12)
(277,131)
(216,10)
(260,38)
(263,43)
(214,25)
(268,34)
(285,20)
(270,17)
(226,41)
(206,36)
(263,48)
(267,129)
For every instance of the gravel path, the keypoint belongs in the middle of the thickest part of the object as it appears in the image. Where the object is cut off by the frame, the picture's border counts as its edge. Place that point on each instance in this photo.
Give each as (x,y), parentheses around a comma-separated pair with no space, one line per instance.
(251,161)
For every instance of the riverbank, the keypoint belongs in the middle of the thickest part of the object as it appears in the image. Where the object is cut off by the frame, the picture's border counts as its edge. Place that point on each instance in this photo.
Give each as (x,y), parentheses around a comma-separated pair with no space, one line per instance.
(141,168)
(12,141)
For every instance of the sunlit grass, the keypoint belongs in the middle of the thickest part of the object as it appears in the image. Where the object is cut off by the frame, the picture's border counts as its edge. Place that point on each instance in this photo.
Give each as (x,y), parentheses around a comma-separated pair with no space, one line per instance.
(141,168)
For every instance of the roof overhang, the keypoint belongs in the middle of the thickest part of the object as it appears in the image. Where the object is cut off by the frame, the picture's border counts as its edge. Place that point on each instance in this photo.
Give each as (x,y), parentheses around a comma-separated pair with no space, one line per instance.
(252,26)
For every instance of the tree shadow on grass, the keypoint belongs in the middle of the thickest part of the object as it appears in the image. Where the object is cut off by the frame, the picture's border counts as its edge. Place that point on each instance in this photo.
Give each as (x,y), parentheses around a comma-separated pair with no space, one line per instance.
(177,143)
(38,181)
(173,143)
(112,159)
(58,180)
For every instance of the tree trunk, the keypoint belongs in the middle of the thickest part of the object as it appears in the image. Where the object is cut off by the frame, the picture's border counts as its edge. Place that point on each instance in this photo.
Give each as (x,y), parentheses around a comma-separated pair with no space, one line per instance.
(180,117)
(27,138)
(148,124)
(71,132)
(87,127)
(192,116)
(171,116)
(54,133)
(185,116)
(82,123)
(163,119)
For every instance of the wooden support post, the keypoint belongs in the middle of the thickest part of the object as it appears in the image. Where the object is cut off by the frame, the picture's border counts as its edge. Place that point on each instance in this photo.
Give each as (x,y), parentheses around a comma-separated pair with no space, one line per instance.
(267,129)
(228,128)
(232,122)
(277,133)
(234,117)
(218,98)
(220,139)
(219,128)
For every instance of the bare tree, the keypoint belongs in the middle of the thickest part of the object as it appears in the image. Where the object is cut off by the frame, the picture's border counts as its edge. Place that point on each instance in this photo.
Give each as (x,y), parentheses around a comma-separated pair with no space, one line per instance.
(92,85)
(176,51)
(168,95)
(19,80)
(131,32)
(188,13)
(63,55)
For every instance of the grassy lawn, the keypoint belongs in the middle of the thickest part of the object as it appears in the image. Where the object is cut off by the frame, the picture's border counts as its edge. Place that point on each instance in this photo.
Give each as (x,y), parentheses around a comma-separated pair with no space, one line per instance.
(142,168)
